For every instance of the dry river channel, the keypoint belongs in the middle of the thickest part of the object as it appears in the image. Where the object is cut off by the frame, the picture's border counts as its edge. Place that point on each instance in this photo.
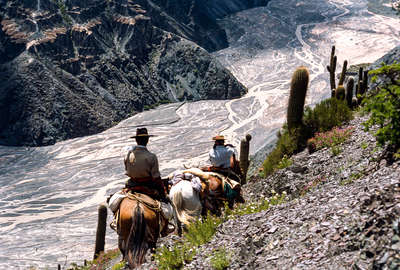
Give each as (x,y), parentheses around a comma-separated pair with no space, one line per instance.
(49,195)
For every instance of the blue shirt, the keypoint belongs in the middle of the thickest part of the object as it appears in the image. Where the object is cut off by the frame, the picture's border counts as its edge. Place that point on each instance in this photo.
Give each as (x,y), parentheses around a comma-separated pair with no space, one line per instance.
(220,156)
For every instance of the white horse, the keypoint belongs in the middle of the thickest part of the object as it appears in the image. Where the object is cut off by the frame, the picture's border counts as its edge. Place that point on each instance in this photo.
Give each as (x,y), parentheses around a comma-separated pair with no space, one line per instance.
(190,195)
(186,202)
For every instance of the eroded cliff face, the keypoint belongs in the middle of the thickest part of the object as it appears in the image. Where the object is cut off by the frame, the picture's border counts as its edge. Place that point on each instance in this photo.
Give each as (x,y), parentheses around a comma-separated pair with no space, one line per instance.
(75,68)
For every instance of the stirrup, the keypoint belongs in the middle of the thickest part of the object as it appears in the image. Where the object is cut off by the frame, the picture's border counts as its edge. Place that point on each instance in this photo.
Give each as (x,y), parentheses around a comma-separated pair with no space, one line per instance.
(113,225)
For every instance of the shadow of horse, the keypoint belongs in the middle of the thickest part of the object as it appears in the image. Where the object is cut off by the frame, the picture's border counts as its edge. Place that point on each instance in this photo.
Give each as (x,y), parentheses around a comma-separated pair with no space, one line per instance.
(139,229)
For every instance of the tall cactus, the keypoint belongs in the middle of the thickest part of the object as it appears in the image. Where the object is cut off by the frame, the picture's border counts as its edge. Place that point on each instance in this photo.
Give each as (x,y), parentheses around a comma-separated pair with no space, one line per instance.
(298,91)
(360,78)
(332,68)
(340,92)
(364,85)
(349,91)
(343,74)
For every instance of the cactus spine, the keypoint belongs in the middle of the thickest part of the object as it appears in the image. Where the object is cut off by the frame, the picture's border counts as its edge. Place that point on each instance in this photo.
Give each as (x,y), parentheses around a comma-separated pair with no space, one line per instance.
(332,68)
(340,92)
(298,91)
(349,92)
(343,74)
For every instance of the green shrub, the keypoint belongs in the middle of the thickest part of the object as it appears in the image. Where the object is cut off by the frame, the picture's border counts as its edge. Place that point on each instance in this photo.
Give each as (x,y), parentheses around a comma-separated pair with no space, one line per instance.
(286,145)
(169,258)
(119,266)
(327,114)
(336,150)
(284,163)
(384,105)
(198,233)
(220,259)
(201,231)
(101,262)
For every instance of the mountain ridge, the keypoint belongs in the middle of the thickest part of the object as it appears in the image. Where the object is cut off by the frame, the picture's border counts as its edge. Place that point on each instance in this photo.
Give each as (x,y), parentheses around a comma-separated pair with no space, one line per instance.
(76,68)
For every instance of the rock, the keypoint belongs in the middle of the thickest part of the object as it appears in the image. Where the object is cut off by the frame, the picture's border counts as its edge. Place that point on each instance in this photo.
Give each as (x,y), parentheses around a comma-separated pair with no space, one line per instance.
(79,69)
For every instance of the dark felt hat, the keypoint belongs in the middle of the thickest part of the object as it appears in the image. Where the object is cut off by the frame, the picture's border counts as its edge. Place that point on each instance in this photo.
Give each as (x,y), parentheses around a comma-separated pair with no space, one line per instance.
(142,132)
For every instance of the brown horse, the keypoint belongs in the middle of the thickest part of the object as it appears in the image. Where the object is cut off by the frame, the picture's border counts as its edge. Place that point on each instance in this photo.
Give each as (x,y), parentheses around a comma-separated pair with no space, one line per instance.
(139,228)
(220,193)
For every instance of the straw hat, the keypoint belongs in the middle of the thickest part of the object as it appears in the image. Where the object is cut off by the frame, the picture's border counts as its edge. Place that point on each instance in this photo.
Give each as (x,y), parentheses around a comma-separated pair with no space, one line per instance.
(219,138)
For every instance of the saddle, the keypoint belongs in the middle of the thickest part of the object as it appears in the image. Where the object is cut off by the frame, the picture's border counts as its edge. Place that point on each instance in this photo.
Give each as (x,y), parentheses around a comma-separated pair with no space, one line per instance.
(163,210)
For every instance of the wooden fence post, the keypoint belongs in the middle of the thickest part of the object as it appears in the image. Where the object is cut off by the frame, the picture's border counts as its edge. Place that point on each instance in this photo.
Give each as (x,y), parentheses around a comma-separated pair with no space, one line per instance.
(101,230)
(244,157)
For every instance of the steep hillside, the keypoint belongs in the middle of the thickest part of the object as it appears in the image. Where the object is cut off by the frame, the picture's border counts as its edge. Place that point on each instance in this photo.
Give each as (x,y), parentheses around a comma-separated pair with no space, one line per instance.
(341,211)
(75,68)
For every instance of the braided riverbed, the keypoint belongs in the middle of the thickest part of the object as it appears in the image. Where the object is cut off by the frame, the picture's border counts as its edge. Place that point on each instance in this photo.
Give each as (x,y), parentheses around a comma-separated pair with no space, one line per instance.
(49,195)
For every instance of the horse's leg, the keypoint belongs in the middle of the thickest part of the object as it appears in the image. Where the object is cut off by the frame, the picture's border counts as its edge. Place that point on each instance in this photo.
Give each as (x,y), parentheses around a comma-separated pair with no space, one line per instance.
(178,227)
(121,245)
(177,222)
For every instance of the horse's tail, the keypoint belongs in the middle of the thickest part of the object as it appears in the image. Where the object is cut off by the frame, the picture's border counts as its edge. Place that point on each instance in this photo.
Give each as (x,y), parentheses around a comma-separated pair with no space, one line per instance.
(177,200)
(137,243)
(185,216)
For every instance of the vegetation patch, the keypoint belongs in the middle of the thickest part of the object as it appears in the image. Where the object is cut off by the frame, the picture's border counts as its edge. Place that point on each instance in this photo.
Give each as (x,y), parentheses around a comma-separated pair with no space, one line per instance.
(330,139)
(256,207)
(174,257)
(201,231)
(101,262)
(326,115)
(351,179)
(285,146)
(383,105)
(220,259)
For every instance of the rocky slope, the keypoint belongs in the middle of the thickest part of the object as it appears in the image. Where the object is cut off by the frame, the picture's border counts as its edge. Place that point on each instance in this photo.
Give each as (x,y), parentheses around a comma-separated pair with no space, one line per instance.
(342,213)
(72,68)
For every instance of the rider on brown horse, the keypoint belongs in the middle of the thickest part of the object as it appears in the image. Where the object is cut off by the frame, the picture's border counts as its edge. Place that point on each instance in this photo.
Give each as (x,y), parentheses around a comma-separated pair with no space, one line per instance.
(223,159)
(142,168)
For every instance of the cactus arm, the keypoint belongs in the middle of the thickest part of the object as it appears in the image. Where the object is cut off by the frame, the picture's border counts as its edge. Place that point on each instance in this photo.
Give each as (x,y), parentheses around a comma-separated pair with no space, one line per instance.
(343,74)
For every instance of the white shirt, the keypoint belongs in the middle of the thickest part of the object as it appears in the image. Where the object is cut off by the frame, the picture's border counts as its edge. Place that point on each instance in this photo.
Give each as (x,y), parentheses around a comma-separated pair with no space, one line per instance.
(220,156)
